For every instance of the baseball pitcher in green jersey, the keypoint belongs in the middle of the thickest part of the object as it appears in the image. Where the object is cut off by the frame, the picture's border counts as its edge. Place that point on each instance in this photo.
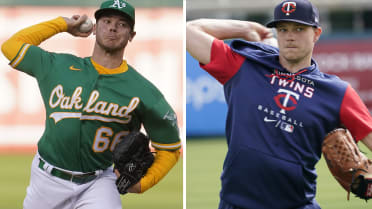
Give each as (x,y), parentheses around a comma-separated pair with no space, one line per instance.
(91,104)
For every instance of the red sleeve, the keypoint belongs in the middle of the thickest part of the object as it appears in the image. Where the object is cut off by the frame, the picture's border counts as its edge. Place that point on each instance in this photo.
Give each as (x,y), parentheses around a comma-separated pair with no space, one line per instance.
(355,115)
(224,62)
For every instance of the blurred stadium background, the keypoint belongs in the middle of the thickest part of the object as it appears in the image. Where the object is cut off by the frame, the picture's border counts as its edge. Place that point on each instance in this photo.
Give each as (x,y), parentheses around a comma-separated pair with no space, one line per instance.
(345,49)
(156,52)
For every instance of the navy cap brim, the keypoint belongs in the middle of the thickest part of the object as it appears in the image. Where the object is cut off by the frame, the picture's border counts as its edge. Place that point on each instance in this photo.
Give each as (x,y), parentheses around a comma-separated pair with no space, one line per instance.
(273,23)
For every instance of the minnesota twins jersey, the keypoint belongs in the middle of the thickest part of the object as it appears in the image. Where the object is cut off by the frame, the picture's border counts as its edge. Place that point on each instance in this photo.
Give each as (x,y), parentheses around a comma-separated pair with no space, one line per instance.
(275,124)
(88,113)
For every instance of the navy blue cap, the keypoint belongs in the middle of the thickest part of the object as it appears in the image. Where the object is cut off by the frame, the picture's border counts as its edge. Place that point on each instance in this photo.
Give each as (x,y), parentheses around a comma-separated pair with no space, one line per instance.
(300,11)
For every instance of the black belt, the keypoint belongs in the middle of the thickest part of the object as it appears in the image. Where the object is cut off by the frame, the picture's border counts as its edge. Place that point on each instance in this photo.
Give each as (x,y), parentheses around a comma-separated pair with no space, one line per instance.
(76,178)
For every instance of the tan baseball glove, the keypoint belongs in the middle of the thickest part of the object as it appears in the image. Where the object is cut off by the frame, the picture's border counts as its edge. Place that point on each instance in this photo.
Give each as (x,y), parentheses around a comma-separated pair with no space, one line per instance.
(351,168)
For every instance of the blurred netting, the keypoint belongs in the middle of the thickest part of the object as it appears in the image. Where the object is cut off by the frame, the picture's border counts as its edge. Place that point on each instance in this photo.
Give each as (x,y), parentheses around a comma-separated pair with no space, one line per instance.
(342,17)
(138,3)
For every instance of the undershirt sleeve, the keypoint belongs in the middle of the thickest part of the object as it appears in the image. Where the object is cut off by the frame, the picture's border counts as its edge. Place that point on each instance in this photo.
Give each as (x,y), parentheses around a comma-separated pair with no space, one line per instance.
(224,63)
(32,35)
(355,115)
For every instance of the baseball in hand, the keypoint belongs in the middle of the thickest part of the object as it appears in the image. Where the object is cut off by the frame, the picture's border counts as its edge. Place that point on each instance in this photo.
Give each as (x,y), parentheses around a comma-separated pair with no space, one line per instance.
(86,26)
(271,41)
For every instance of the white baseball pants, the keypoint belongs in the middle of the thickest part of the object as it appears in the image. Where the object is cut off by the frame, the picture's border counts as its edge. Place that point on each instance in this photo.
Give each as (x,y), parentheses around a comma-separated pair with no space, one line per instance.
(49,192)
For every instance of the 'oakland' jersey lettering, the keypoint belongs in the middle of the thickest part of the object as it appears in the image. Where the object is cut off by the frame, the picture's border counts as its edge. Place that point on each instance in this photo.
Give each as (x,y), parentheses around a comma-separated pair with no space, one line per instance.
(88,113)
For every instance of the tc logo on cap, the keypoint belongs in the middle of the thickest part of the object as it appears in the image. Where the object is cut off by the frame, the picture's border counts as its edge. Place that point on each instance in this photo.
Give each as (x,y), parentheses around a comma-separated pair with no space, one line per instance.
(288,7)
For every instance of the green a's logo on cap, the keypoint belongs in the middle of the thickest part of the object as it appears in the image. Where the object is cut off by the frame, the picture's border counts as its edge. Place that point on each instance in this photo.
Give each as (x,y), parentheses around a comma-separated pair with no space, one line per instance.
(120,7)
(118,4)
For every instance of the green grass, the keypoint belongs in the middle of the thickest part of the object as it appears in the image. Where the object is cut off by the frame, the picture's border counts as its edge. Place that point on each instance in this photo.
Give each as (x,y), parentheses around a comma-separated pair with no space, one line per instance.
(204,166)
(15,175)
(167,194)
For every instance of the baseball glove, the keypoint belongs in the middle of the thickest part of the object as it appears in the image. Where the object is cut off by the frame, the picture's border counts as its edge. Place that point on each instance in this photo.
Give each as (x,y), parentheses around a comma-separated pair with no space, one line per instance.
(351,168)
(132,157)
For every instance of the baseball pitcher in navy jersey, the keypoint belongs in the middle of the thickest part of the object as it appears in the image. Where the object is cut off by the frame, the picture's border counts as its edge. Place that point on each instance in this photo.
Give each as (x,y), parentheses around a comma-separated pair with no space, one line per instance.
(91,104)
(280,106)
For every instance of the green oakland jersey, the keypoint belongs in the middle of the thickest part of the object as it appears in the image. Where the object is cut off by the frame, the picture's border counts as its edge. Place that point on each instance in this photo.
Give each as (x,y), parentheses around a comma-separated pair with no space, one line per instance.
(88,113)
